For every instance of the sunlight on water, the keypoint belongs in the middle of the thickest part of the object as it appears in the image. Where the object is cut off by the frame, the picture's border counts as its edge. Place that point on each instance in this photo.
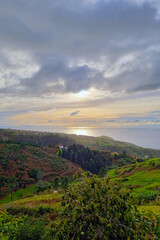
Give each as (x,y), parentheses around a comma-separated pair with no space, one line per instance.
(144,137)
(81,132)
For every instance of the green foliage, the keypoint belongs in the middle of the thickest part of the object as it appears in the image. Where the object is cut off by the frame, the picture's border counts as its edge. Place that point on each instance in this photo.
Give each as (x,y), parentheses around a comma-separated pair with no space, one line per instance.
(50,139)
(41,186)
(31,230)
(61,182)
(34,151)
(9,225)
(157,227)
(143,178)
(33,173)
(55,182)
(4,163)
(96,209)
(3,181)
(102,172)
(58,163)
(31,212)
(58,182)
(95,160)
(19,194)
(20,228)
(88,159)
(34,138)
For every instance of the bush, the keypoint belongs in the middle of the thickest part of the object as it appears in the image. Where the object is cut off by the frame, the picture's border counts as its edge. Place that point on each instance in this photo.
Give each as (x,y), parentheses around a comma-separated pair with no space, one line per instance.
(34,212)
(33,173)
(9,225)
(96,209)
(20,228)
(157,227)
(31,230)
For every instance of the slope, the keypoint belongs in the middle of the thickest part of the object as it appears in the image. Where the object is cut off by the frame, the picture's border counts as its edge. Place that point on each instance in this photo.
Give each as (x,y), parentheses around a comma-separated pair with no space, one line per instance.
(143,178)
(24,164)
(47,139)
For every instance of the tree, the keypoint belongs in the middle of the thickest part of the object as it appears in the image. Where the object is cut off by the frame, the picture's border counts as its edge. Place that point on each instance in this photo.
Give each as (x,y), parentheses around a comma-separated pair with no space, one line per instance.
(88,159)
(12,183)
(97,209)
(33,173)
(102,172)
(55,182)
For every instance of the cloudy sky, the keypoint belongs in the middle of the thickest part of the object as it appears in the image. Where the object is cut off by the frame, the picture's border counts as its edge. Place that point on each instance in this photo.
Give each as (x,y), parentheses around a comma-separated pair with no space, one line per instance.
(72,63)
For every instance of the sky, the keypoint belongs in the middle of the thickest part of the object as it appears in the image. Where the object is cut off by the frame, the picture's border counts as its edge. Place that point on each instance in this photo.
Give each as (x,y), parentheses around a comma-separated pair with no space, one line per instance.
(72,63)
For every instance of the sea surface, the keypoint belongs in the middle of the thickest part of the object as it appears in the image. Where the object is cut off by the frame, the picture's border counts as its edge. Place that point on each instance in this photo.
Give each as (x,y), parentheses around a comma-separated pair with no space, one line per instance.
(144,137)
(147,138)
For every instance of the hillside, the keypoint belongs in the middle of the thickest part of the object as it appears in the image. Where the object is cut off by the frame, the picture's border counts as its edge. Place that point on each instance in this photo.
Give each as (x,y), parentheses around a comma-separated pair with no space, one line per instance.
(108,143)
(82,200)
(96,161)
(143,178)
(28,163)
(48,139)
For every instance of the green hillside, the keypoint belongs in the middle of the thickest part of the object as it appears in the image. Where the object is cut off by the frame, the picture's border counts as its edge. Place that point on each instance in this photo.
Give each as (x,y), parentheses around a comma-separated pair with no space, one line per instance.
(47,214)
(143,178)
(108,143)
(37,202)
(48,139)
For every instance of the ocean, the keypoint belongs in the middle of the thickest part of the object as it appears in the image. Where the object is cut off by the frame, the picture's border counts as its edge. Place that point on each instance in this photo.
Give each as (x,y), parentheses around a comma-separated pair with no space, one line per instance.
(144,137)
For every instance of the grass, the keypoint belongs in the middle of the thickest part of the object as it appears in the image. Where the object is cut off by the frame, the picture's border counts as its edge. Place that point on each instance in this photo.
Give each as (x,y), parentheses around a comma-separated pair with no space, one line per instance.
(153,209)
(51,200)
(19,194)
(144,178)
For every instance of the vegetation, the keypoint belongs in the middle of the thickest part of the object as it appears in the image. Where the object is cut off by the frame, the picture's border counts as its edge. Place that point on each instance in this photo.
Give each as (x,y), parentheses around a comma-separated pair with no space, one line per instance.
(20,228)
(39,187)
(35,138)
(22,193)
(93,160)
(91,208)
(88,159)
(143,178)
(110,144)
(22,165)
(50,139)
(39,204)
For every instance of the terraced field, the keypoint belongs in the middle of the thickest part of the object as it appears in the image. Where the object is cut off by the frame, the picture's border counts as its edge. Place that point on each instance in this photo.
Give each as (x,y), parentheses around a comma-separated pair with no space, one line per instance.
(143,178)
(50,200)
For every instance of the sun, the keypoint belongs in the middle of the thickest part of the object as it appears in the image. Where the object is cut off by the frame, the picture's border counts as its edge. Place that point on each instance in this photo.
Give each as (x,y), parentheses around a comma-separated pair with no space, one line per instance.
(82,94)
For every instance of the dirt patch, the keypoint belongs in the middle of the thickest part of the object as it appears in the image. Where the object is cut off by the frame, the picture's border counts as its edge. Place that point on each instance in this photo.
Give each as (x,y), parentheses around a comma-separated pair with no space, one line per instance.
(130,173)
(44,201)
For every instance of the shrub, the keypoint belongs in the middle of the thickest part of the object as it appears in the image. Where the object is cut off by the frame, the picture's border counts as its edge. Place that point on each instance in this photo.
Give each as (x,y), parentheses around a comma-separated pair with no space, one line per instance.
(9,225)
(31,230)
(157,227)
(32,212)
(96,209)
(33,173)
(20,228)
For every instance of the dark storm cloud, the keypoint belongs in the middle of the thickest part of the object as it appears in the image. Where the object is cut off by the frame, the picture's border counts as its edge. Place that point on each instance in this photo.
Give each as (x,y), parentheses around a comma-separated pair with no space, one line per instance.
(59,34)
(55,78)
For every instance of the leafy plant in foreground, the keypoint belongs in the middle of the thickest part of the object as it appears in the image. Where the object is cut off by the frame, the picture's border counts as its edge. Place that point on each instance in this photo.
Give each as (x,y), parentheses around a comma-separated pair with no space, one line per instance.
(20,228)
(9,225)
(96,209)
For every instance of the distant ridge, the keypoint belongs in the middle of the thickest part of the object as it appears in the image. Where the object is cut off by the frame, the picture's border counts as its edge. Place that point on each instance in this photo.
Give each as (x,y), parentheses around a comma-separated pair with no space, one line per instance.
(49,139)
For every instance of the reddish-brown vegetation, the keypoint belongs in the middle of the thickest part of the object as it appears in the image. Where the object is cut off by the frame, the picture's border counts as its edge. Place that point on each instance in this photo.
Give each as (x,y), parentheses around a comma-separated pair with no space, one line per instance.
(16,161)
